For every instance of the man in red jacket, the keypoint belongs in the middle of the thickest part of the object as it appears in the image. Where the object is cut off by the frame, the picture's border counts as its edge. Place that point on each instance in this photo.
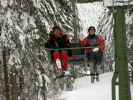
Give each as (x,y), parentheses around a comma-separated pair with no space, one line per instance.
(95,53)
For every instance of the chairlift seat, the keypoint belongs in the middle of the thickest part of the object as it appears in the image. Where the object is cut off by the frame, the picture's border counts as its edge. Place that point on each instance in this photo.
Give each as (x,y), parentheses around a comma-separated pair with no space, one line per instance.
(77,55)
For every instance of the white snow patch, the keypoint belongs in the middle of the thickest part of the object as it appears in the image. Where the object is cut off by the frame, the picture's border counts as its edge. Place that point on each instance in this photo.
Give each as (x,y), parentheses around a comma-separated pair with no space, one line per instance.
(4,3)
(84,90)
(89,14)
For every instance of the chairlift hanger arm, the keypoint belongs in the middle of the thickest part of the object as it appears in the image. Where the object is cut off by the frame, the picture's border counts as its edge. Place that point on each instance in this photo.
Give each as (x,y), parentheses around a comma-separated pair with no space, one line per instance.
(87,1)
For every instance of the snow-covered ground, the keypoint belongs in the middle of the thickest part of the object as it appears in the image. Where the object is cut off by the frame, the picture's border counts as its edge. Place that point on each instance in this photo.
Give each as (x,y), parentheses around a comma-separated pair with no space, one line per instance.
(84,90)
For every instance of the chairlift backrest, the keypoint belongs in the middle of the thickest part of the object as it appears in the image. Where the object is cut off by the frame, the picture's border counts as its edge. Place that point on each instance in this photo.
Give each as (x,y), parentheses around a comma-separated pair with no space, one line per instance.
(77,50)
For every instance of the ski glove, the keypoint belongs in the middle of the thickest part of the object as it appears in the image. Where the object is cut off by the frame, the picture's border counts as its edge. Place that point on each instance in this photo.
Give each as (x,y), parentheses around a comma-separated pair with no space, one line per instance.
(58,63)
(95,49)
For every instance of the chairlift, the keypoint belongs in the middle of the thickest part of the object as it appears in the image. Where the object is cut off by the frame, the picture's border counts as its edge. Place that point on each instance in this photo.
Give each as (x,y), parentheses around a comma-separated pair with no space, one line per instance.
(78,57)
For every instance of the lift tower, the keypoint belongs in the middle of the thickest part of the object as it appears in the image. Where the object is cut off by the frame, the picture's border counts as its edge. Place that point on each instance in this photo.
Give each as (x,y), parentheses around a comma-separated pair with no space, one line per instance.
(121,75)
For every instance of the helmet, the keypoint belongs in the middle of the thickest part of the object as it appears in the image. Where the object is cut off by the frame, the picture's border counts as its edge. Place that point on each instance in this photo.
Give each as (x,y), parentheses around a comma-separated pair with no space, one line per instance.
(91,28)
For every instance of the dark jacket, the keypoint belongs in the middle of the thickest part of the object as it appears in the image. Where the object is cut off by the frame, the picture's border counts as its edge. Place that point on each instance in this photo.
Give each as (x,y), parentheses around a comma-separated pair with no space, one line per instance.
(57,43)
(60,42)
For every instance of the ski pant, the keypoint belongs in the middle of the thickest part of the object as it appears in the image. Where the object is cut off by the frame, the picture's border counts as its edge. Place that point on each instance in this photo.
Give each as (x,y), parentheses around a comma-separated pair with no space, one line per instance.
(95,59)
(63,57)
(94,68)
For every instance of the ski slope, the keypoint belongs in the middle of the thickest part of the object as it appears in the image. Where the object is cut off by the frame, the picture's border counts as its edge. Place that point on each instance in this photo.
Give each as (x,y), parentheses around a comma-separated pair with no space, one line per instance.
(84,90)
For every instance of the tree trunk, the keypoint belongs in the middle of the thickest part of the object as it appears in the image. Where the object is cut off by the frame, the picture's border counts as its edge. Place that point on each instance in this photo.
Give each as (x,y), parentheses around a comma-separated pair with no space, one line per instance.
(6,78)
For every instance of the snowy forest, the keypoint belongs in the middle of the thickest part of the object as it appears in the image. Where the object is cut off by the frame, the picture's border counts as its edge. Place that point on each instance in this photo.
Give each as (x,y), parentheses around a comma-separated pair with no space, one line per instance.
(25,25)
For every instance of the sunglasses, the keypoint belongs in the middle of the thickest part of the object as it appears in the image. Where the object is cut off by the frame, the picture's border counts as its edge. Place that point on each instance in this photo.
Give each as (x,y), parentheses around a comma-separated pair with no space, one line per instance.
(92,29)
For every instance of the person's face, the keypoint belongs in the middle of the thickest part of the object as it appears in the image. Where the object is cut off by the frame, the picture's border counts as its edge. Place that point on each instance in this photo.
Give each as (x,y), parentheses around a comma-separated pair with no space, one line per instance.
(57,33)
(92,31)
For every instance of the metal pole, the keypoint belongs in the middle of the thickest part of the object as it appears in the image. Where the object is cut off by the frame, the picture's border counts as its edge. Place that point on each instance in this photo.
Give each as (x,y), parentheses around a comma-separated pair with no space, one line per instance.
(121,54)
(115,76)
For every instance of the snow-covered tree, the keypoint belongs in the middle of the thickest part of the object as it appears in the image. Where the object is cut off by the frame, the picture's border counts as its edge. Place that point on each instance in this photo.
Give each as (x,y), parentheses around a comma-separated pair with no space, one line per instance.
(24,28)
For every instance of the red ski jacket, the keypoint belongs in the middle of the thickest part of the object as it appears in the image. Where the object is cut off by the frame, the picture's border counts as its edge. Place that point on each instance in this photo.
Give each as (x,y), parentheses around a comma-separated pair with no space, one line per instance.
(95,41)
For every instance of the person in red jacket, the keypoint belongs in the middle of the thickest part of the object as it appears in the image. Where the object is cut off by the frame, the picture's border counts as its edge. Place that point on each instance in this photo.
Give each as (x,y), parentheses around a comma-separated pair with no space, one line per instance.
(95,53)
(57,41)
